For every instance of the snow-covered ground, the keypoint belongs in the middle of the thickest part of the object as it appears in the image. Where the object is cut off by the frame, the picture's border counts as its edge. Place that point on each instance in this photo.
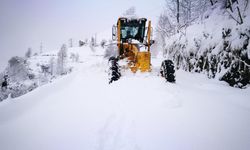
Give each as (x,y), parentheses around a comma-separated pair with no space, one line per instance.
(138,112)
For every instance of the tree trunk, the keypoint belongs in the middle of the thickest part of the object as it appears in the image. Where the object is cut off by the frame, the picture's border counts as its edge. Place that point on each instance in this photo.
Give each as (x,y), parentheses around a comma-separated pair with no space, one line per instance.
(178,11)
(178,14)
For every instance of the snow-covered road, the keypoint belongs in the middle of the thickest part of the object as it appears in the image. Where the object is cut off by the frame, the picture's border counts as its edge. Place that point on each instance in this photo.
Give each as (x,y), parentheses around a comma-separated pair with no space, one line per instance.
(81,111)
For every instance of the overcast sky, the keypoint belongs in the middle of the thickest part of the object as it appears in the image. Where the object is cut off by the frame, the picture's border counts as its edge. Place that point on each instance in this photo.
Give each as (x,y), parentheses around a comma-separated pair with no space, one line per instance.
(27,23)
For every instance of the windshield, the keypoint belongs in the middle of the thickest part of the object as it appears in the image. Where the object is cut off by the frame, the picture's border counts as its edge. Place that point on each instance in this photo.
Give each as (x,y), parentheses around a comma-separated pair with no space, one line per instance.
(130,32)
(132,29)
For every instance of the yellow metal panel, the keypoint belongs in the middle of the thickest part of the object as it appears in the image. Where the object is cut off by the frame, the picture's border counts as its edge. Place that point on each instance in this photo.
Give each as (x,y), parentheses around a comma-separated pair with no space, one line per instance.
(143,61)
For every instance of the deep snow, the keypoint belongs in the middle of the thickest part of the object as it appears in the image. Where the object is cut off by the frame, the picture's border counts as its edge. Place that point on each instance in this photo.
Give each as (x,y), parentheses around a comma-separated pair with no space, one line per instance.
(138,112)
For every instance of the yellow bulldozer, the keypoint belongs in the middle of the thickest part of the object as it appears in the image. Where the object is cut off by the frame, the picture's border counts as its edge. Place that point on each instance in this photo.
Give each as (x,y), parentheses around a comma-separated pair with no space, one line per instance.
(134,39)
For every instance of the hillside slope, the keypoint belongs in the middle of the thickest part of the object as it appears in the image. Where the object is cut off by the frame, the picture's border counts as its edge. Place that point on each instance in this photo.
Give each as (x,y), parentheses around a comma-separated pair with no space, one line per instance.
(214,44)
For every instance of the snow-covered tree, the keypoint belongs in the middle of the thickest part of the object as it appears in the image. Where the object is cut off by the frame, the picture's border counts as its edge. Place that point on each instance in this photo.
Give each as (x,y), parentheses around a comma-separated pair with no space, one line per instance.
(92,41)
(81,43)
(130,12)
(191,10)
(86,40)
(164,29)
(236,9)
(172,8)
(183,12)
(52,66)
(164,25)
(77,57)
(103,43)
(62,60)
(70,42)
(45,69)
(74,57)
(28,53)
(20,79)
(220,54)
(92,44)
(17,69)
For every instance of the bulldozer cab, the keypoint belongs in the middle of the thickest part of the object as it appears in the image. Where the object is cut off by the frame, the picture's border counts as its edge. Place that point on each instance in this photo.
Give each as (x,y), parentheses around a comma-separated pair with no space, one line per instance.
(132,29)
(127,29)
(132,37)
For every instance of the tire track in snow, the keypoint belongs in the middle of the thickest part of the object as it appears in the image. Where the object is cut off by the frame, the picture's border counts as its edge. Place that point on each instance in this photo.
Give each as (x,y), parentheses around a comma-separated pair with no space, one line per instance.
(117,133)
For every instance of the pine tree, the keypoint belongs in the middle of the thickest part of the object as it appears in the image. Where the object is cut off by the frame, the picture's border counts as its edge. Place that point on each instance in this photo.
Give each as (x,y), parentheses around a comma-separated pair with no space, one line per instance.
(61,60)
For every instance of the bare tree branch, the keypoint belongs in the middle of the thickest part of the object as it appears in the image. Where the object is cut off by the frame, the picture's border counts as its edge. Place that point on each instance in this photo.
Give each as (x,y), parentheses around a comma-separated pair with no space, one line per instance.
(233,17)
(246,4)
(212,3)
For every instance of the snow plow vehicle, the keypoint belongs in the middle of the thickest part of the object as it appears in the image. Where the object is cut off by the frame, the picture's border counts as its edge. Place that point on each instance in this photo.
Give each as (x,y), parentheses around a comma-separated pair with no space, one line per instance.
(134,40)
